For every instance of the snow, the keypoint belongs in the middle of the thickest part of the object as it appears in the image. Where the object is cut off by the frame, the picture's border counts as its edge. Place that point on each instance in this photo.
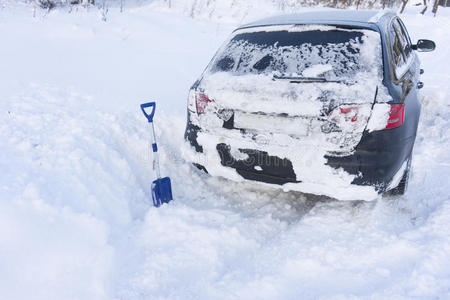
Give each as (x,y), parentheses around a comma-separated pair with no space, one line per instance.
(398,176)
(400,71)
(379,117)
(75,214)
(316,70)
(353,53)
(379,15)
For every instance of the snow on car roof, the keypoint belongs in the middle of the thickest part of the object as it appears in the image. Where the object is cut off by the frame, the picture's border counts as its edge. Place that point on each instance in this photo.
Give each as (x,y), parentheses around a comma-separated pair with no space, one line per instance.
(323,17)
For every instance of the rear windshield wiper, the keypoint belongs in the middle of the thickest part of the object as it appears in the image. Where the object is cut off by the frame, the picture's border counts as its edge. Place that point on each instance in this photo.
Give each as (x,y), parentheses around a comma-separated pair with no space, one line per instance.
(300,79)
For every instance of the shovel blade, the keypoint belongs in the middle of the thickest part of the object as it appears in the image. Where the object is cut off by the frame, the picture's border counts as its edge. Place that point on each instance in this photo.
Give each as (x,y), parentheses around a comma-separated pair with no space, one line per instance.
(161,191)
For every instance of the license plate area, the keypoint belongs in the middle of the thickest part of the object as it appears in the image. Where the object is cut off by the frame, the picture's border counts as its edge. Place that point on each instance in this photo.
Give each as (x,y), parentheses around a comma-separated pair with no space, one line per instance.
(295,126)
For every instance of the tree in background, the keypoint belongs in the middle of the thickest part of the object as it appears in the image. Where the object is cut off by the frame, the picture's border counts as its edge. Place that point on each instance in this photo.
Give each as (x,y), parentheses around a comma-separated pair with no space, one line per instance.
(49,4)
(404,2)
(435,7)
(283,5)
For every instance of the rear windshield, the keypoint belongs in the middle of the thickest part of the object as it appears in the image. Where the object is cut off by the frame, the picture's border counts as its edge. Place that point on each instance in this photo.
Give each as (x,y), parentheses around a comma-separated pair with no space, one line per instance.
(319,51)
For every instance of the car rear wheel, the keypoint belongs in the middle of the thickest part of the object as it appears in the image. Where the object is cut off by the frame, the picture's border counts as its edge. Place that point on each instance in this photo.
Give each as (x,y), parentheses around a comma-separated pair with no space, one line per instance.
(403,185)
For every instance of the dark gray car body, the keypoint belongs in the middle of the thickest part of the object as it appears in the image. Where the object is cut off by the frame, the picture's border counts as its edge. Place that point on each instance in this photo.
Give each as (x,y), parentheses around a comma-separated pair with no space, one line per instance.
(380,155)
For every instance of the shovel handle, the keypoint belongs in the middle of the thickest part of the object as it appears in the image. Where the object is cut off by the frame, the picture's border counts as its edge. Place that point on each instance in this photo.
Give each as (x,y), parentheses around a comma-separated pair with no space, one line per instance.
(150,115)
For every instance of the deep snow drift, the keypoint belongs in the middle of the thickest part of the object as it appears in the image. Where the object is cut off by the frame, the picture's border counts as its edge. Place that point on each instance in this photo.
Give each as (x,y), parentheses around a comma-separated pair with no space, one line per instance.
(75,216)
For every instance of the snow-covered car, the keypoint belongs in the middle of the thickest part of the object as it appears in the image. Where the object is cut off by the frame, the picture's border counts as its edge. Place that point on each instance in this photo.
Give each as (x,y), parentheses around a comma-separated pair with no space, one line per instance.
(318,102)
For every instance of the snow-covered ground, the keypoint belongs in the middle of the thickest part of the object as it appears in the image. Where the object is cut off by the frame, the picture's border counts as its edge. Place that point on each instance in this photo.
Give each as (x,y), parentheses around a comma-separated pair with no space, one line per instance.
(75,216)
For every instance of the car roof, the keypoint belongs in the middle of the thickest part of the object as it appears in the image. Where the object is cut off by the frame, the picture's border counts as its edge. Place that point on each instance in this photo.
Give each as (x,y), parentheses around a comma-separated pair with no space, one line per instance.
(361,18)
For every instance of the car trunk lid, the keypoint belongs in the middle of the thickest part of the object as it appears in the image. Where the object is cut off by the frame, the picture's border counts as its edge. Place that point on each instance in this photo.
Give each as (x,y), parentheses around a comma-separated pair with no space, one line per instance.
(329,115)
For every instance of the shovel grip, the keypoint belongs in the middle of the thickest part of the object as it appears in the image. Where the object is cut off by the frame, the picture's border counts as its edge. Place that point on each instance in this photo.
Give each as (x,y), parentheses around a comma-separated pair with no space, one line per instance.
(150,115)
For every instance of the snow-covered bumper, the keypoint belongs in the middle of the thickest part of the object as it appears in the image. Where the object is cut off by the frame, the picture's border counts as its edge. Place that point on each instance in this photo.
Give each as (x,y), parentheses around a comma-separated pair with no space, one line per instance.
(362,174)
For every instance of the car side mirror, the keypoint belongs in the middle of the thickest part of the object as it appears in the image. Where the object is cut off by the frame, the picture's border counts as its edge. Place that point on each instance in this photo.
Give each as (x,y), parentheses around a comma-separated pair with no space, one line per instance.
(424,46)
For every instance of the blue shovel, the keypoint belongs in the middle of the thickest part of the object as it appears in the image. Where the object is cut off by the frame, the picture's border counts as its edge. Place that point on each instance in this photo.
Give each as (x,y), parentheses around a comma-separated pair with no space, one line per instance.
(161,187)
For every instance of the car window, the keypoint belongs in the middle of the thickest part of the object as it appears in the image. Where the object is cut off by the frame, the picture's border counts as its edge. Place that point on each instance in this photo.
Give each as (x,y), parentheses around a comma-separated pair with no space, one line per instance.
(329,51)
(397,53)
(408,48)
(401,45)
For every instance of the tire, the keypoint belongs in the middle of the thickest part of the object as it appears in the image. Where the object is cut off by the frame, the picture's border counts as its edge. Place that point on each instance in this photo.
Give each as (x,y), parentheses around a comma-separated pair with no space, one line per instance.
(401,188)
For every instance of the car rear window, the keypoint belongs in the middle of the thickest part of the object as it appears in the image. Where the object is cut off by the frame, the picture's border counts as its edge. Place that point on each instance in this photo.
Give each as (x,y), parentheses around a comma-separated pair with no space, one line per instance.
(302,50)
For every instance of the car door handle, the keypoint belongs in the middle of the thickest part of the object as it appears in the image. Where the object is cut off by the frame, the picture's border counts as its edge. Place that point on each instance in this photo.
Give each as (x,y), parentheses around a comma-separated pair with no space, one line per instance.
(420,85)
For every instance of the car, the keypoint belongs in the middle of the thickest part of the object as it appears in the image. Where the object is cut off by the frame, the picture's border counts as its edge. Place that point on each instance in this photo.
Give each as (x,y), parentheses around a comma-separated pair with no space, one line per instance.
(317,102)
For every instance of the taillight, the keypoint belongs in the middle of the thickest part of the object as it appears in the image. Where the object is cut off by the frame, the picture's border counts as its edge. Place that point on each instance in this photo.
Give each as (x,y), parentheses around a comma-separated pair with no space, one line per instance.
(350,113)
(201,102)
(396,116)
(345,113)
(198,101)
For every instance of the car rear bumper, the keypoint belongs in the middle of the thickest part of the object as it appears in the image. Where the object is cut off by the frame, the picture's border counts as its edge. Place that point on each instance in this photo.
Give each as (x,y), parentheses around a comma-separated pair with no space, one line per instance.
(372,165)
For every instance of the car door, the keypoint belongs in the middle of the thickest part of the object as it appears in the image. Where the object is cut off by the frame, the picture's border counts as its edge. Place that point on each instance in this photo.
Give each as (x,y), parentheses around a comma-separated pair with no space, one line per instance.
(405,69)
